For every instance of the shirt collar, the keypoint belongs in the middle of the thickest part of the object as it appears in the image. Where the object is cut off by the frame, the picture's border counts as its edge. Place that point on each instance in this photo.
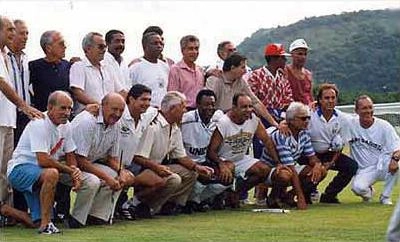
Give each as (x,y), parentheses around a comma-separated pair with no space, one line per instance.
(319,112)
(182,64)
(87,63)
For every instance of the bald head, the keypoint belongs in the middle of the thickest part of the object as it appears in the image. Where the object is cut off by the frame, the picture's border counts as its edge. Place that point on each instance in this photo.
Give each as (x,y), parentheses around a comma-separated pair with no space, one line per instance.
(54,97)
(113,105)
(7,31)
(59,107)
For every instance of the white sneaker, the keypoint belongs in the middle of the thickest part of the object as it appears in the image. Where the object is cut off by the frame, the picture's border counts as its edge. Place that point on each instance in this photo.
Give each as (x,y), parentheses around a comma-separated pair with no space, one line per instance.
(315,196)
(385,200)
(261,202)
(49,229)
(246,202)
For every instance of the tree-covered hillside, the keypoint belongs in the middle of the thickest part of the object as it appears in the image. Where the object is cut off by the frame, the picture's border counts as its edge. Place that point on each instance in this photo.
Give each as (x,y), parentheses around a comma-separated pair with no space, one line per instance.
(359,51)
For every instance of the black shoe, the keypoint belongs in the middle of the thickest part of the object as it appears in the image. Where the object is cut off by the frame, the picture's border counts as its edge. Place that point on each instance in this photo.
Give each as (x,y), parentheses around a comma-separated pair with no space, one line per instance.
(328,199)
(189,208)
(92,220)
(140,211)
(168,209)
(219,202)
(126,213)
(72,223)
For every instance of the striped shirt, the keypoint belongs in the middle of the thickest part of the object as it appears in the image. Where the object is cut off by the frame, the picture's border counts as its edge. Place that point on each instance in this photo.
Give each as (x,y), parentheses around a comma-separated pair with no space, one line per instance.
(93,140)
(289,149)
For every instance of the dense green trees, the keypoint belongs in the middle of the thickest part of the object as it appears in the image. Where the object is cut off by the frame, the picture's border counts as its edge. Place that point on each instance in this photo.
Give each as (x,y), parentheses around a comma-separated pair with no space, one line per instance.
(359,51)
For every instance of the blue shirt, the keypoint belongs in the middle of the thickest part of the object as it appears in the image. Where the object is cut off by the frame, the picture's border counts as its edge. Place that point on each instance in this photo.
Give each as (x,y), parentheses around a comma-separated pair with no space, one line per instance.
(289,149)
(46,78)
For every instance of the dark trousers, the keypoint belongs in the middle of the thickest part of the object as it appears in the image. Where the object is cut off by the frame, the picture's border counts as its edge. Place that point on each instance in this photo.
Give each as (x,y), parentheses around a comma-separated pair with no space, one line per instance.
(18,197)
(346,168)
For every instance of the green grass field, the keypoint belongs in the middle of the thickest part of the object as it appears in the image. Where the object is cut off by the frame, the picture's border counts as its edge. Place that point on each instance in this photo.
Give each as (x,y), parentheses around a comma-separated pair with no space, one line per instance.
(350,221)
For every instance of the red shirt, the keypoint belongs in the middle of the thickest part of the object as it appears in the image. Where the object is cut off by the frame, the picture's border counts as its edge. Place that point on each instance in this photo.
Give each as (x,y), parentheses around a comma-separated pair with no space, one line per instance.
(301,88)
(273,91)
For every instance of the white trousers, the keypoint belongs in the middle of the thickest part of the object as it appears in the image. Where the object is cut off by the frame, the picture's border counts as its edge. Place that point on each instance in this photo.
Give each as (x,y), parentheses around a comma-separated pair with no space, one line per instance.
(203,192)
(366,177)
(393,232)
(94,197)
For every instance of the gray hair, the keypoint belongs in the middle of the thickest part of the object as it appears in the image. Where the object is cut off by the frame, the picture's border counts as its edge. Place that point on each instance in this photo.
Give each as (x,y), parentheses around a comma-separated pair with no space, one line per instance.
(295,108)
(187,39)
(53,97)
(88,39)
(172,99)
(47,39)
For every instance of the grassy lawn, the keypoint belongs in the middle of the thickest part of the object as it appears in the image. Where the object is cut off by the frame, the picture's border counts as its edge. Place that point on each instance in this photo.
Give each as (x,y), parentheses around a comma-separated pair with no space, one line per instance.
(350,221)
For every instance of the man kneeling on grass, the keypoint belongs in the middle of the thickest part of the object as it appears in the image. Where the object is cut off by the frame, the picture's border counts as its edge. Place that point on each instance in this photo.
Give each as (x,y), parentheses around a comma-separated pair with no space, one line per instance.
(291,148)
(35,166)
(230,142)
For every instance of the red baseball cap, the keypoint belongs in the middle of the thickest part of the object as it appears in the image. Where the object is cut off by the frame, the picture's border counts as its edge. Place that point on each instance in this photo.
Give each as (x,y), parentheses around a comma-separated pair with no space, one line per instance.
(274,49)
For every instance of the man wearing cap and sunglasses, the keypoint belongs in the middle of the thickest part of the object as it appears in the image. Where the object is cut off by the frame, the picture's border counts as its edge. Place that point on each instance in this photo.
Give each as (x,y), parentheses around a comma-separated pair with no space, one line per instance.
(299,77)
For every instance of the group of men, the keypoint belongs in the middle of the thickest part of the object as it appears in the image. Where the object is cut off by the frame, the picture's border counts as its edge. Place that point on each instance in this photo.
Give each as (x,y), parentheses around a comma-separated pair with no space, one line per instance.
(179,134)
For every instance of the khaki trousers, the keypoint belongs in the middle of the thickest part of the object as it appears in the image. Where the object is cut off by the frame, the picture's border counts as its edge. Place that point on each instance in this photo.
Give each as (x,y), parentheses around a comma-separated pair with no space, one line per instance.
(6,150)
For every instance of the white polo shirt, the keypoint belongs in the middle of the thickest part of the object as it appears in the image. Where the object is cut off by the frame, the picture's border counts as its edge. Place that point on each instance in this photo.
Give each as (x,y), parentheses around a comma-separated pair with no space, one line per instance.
(93,140)
(328,135)
(152,75)
(95,84)
(131,132)
(8,116)
(196,135)
(236,137)
(41,135)
(121,70)
(161,139)
(368,146)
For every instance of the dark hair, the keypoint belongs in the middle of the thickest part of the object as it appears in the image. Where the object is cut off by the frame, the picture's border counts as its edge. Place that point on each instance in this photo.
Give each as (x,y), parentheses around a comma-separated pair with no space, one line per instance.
(222,45)
(154,29)
(146,38)
(326,86)
(109,35)
(136,91)
(236,97)
(205,93)
(233,60)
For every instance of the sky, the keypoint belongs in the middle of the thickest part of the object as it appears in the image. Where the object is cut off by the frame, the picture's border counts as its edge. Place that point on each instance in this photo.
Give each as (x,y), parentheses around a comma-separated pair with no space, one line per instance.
(211,21)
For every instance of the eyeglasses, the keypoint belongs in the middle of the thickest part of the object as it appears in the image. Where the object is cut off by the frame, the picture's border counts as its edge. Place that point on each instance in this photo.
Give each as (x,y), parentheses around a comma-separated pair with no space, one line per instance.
(232,50)
(304,118)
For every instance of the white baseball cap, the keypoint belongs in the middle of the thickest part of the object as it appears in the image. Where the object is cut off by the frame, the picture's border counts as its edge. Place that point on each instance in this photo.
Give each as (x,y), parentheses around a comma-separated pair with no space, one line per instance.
(299,43)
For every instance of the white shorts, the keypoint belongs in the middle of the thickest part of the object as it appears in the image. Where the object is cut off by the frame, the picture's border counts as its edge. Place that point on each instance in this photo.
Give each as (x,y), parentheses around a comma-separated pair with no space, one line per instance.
(243,165)
(297,167)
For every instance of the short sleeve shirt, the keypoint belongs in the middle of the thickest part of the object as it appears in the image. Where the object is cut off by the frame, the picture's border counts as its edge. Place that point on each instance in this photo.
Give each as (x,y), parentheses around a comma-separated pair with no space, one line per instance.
(94,140)
(236,137)
(41,135)
(289,148)
(161,139)
(196,134)
(94,82)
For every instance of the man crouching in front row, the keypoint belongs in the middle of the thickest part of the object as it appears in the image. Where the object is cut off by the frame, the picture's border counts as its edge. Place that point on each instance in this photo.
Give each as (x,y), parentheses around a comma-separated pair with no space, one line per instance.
(230,142)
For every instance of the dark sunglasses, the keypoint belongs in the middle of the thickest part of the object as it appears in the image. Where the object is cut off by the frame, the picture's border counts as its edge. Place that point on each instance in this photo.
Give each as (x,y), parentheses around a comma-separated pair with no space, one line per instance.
(304,118)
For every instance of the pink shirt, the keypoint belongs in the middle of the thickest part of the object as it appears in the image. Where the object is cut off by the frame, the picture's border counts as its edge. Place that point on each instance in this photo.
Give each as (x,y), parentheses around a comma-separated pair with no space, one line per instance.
(186,80)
